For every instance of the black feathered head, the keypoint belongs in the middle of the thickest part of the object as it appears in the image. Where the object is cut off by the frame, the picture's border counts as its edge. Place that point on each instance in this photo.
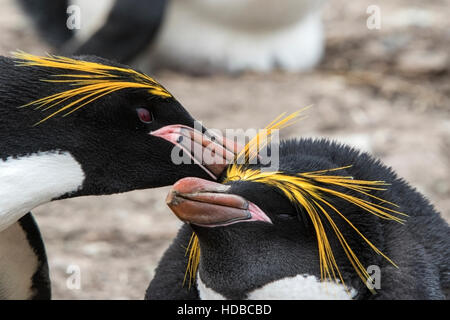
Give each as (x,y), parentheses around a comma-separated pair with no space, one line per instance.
(311,195)
(118,123)
(90,81)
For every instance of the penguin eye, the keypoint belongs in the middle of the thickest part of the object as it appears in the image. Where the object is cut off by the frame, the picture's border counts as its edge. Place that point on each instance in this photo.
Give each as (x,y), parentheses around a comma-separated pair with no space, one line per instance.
(144,115)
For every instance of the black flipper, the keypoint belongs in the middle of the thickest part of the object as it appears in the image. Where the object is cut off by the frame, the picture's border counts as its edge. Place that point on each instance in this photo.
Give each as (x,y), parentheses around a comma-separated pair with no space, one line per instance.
(130,27)
(168,281)
(50,17)
(41,278)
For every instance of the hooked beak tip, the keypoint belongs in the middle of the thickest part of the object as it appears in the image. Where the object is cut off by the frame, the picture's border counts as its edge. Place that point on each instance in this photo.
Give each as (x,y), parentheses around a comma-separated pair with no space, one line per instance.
(211,153)
(207,204)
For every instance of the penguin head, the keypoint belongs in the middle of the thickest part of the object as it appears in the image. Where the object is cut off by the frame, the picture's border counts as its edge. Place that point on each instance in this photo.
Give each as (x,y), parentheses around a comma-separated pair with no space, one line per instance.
(119,124)
(264,235)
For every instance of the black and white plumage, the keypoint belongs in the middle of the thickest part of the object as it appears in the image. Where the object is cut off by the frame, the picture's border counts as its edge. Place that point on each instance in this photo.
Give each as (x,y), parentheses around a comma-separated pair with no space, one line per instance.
(24,272)
(115,140)
(116,30)
(103,148)
(260,260)
(199,36)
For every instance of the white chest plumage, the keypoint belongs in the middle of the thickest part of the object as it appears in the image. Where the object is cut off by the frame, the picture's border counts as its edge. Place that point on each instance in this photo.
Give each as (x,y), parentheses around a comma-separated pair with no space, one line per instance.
(300,287)
(93,15)
(227,35)
(238,35)
(28,181)
(18,263)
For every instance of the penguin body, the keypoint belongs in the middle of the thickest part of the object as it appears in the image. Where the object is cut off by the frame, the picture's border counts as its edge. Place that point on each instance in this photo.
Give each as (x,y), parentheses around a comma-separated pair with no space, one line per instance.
(277,257)
(200,36)
(105,147)
(117,30)
(204,36)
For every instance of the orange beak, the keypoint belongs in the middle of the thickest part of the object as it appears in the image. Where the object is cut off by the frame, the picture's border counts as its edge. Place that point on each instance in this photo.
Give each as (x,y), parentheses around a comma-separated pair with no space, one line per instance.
(207,204)
(211,153)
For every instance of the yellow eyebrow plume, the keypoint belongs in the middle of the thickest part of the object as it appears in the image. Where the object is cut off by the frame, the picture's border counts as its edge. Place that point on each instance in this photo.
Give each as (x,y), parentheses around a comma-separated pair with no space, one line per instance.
(263,138)
(249,152)
(313,191)
(193,250)
(90,80)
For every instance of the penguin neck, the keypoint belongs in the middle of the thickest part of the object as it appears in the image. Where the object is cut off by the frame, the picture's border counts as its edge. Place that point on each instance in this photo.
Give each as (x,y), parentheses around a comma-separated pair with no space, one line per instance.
(31,180)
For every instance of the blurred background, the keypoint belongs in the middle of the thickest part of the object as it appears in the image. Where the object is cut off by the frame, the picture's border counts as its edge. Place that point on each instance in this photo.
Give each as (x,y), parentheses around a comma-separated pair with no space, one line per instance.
(381,85)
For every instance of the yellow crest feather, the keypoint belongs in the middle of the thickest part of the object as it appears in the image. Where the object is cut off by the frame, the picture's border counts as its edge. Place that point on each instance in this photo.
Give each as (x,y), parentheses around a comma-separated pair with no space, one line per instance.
(91,81)
(249,152)
(310,190)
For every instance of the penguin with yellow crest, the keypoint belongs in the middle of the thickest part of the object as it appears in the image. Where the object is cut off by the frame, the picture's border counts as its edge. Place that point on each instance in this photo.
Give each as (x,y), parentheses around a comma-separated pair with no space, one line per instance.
(329,223)
(73,127)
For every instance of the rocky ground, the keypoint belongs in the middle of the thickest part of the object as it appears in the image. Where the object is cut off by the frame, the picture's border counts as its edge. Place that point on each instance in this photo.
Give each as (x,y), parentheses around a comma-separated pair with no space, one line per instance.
(386,91)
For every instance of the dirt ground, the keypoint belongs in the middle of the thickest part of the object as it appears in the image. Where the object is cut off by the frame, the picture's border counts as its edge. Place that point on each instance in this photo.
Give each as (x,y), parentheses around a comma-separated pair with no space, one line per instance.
(386,91)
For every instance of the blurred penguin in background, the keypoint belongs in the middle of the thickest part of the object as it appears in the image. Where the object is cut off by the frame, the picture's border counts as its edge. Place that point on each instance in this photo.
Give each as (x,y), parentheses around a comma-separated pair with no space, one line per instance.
(197,36)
